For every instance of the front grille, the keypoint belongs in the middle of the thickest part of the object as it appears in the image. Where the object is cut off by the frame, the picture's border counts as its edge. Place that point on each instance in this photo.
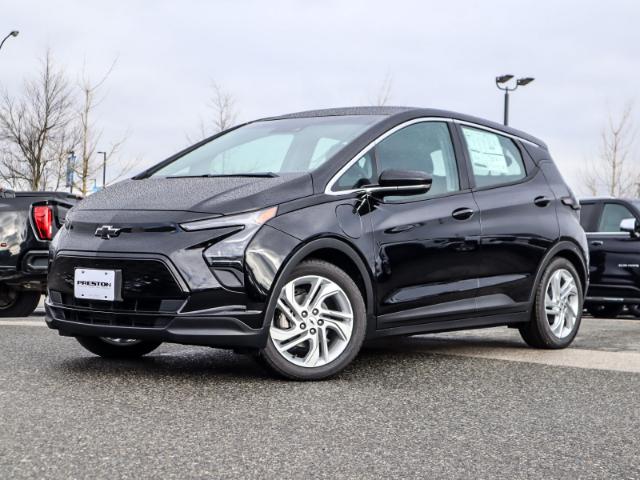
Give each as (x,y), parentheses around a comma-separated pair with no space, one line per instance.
(148,286)
(144,305)
(111,319)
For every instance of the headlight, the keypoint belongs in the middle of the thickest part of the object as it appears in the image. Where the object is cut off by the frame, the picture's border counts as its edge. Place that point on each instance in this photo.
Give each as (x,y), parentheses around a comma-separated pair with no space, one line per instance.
(258,217)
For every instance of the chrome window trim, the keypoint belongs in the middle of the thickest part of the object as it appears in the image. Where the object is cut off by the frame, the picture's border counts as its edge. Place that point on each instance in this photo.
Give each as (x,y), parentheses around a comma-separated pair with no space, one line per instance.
(493,130)
(328,189)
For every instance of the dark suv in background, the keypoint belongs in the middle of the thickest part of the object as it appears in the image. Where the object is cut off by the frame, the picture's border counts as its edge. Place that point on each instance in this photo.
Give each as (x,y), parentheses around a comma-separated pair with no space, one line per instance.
(296,238)
(613,231)
(28,222)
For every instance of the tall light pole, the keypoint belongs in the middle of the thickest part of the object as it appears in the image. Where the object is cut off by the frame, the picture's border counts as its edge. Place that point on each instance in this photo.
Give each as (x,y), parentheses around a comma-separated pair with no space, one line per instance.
(12,33)
(104,168)
(501,83)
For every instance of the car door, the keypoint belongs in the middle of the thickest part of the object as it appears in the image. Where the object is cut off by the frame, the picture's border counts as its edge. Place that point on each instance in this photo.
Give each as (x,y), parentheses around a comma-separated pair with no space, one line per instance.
(517,214)
(615,255)
(427,245)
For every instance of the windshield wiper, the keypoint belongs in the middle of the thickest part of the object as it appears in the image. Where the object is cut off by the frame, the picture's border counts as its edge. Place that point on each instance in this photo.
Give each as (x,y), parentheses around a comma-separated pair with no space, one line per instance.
(216,175)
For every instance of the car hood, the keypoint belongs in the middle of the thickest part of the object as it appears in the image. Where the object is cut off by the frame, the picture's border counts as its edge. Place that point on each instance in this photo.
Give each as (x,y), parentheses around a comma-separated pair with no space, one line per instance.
(216,195)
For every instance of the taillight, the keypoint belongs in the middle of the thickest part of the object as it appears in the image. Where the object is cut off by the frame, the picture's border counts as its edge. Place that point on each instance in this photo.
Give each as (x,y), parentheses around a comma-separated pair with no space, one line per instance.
(43,221)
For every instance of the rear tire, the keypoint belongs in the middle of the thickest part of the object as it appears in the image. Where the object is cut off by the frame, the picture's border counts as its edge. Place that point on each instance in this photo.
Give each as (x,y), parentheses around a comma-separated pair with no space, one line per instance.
(634,309)
(117,348)
(16,303)
(557,308)
(604,310)
(319,323)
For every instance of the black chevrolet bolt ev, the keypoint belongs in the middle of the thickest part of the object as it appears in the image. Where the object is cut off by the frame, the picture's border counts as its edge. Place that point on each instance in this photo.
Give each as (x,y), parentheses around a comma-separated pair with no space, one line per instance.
(296,238)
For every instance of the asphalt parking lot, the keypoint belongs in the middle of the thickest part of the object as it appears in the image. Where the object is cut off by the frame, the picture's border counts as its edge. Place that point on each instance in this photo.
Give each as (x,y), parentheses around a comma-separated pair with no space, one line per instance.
(474,404)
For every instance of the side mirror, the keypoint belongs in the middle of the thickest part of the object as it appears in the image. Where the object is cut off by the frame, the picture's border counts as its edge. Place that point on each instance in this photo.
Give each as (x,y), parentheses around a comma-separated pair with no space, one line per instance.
(402,182)
(630,225)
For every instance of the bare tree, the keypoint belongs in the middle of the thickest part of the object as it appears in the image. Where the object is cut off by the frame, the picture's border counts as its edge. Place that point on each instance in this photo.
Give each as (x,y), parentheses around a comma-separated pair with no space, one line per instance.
(612,171)
(35,129)
(222,114)
(383,95)
(223,106)
(89,135)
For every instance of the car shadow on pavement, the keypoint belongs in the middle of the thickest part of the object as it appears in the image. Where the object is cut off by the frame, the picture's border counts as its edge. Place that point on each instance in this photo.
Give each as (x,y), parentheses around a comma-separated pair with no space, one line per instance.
(201,363)
(186,362)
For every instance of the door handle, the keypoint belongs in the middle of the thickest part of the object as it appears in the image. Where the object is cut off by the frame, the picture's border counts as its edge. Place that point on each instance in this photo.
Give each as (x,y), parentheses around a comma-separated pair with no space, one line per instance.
(462,213)
(541,201)
(597,243)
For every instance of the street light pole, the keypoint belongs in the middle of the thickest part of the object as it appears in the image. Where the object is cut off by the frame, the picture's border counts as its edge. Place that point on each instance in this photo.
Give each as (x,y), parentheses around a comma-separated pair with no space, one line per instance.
(104,168)
(501,83)
(13,33)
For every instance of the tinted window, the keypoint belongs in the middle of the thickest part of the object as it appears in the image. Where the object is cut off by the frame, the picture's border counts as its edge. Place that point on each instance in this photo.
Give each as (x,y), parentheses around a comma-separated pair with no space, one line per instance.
(425,147)
(357,175)
(612,215)
(587,213)
(495,160)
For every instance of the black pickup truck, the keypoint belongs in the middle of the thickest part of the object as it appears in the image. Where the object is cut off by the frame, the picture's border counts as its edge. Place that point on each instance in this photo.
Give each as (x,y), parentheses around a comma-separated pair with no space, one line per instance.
(613,231)
(28,222)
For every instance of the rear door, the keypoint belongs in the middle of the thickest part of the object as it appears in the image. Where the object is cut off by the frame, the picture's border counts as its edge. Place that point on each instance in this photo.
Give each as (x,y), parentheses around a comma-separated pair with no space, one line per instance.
(615,255)
(517,215)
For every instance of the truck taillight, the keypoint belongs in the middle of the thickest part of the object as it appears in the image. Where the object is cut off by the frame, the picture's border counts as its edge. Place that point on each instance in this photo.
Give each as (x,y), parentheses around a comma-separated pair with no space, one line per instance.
(43,221)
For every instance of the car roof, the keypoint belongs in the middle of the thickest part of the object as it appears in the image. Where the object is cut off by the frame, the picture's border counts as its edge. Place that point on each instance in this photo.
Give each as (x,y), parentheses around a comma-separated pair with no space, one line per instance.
(414,111)
(607,197)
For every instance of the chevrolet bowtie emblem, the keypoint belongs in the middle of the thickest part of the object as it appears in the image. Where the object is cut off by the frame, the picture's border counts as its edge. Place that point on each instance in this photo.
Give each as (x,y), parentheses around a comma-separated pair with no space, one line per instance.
(107,231)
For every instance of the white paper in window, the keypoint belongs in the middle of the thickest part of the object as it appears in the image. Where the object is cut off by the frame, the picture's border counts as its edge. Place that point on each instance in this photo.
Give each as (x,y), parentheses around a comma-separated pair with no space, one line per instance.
(486,153)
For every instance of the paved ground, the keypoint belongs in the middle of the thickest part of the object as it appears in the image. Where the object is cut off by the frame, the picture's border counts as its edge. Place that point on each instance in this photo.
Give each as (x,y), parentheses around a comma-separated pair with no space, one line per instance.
(463,405)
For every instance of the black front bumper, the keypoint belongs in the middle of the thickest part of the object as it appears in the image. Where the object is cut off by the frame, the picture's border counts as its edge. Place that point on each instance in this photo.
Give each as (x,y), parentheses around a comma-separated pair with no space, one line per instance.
(155,304)
(220,330)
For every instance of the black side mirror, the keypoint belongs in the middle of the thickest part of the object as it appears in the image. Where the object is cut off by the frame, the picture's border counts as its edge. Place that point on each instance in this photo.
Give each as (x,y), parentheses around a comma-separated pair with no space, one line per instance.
(402,182)
(630,225)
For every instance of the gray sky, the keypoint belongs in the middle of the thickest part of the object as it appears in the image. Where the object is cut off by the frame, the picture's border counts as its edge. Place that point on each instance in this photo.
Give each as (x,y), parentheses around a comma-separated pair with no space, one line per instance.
(279,56)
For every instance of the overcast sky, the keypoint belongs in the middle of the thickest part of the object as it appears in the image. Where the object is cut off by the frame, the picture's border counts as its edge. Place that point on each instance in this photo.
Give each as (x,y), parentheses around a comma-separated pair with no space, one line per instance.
(280,56)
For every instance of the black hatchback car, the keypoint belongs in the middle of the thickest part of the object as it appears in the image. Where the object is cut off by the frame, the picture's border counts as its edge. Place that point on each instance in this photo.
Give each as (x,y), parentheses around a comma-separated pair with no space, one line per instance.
(613,232)
(298,237)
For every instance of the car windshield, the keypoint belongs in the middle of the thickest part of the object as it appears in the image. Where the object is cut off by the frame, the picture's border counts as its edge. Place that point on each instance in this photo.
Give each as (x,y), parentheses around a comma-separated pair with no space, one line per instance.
(270,147)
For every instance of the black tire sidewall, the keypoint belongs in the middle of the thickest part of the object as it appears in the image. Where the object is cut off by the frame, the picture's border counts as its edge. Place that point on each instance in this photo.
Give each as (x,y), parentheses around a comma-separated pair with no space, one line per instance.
(283,367)
(541,323)
(98,346)
(24,305)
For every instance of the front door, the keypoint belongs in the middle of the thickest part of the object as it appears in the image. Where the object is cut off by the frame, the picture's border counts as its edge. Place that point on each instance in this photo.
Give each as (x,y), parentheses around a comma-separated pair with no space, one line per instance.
(615,255)
(426,246)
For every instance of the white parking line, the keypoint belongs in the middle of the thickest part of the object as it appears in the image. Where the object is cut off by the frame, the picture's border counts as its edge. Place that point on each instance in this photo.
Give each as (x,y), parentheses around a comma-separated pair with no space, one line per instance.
(570,357)
(22,323)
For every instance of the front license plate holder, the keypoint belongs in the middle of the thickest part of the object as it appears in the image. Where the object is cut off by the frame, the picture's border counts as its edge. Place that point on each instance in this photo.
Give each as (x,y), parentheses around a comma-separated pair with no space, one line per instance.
(97,284)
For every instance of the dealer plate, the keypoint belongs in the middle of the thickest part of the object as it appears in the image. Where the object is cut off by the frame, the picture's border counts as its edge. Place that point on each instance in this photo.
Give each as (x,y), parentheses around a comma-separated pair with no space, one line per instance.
(93,284)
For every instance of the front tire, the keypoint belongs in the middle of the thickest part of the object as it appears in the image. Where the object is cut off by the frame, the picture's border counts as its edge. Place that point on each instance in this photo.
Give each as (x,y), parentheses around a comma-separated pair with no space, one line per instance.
(319,323)
(117,348)
(557,309)
(15,303)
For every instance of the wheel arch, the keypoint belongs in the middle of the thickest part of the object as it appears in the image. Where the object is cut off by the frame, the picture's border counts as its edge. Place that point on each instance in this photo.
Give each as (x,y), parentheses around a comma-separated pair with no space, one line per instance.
(573,253)
(338,252)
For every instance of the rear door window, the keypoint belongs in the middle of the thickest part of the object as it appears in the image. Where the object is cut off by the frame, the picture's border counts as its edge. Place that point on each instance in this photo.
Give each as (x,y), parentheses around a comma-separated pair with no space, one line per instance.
(495,159)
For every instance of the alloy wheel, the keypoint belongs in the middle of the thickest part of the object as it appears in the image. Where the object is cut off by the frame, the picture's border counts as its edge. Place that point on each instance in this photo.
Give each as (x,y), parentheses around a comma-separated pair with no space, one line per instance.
(561,302)
(313,322)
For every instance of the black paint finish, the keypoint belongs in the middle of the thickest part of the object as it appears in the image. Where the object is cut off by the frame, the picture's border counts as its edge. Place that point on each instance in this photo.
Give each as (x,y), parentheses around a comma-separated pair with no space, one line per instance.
(463,259)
